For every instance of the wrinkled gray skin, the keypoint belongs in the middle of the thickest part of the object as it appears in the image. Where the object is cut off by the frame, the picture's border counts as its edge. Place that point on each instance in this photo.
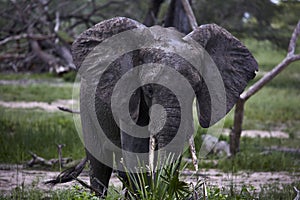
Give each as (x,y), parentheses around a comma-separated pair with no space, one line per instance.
(235,63)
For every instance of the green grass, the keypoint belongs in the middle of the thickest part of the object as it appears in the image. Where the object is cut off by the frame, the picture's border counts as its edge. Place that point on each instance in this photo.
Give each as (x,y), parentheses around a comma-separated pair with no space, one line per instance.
(284,108)
(253,155)
(68,77)
(35,92)
(266,53)
(275,192)
(24,130)
(267,192)
(20,76)
(32,193)
(253,161)
(256,162)
(277,104)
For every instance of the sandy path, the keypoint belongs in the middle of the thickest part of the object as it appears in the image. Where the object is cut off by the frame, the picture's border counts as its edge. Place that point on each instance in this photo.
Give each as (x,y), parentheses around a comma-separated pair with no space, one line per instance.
(49,107)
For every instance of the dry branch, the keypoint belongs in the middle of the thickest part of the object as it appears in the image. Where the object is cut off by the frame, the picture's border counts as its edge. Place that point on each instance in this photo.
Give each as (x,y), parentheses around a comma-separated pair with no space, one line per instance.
(64,109)
(46,31)
(290,57)
(69,174)
(239,109)
(298,193)
(26,36)
(189,12)
(37,160)
(59,148)
(12,56)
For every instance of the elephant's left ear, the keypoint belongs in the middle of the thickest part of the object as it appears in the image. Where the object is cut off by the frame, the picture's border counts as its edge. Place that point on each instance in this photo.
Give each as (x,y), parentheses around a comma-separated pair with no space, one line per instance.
(234,61)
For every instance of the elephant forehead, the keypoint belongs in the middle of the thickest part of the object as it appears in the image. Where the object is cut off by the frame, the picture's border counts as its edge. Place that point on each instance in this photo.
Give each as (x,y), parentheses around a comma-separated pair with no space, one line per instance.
(151,73)
(166,35)
(160,62)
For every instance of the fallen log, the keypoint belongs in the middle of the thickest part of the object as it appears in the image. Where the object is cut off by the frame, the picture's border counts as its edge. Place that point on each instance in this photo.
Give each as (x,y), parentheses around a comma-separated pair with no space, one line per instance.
(37,160)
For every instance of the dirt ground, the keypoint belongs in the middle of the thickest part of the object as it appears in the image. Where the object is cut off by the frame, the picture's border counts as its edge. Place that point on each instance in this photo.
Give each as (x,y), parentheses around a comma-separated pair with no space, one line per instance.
(12,176)
(49,107)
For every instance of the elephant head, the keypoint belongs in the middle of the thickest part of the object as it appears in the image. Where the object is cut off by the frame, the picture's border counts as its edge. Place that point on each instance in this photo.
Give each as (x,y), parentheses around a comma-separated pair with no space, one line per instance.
(138,82)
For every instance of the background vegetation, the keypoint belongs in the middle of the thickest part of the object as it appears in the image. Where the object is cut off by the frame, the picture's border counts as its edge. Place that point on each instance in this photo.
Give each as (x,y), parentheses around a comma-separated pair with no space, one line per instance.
(264,27)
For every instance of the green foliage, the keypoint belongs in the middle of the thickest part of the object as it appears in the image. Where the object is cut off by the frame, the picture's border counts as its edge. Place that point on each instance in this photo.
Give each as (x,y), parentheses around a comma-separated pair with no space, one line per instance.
(259,19)
(246,192)
(274,191)
(175,186)
(24,130)
(26,76)
(259,162)
(164,183)
(75,193)
(70,76)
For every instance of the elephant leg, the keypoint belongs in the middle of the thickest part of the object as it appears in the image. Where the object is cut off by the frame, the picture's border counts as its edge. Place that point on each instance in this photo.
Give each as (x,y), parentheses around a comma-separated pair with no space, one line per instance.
(99,174)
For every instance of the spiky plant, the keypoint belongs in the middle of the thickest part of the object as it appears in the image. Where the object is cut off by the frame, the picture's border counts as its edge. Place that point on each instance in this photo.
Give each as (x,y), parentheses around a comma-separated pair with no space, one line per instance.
(162,183)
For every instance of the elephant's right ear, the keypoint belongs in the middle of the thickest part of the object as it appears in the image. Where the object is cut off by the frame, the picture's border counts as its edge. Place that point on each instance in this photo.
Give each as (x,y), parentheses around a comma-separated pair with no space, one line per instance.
(235,63)
(93,36)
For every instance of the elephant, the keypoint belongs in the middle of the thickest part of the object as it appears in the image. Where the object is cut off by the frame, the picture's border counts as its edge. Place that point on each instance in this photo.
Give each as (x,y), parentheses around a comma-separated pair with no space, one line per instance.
(156,111)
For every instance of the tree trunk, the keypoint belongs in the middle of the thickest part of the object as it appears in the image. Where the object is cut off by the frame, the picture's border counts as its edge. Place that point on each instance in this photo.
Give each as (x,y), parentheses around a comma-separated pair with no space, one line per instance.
(237,127)
(239,109)
(177,17)
(151,17)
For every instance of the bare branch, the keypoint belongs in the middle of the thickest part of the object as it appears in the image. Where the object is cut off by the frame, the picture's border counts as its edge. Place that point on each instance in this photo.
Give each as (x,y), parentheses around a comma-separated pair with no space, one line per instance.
(239,108)
(291,57)
(190,14)
(12,56)
(152,145)
(37,160)
(59,148)
(69,174)
(193,153)
(68,110)
(292,45)
(25,36)
(265,79)
(57,22)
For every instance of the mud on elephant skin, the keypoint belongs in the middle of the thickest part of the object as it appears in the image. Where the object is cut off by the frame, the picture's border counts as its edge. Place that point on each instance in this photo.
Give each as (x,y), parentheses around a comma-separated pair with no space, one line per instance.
(138,82)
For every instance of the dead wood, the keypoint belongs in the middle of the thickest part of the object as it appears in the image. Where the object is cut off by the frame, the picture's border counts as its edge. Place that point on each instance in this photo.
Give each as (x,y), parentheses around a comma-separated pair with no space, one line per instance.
(37,160)
(64,109)
(239,109)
